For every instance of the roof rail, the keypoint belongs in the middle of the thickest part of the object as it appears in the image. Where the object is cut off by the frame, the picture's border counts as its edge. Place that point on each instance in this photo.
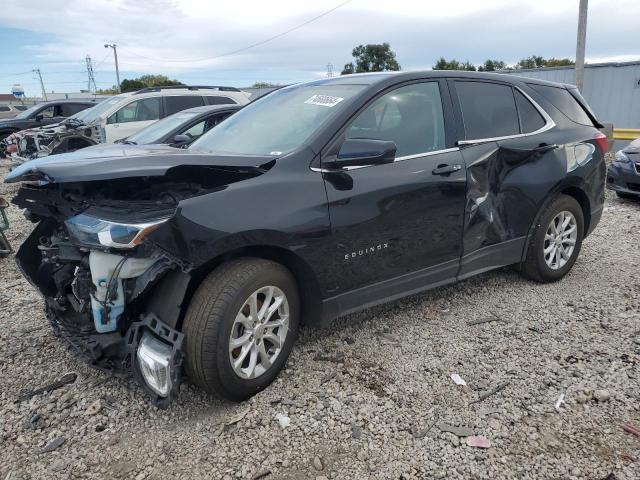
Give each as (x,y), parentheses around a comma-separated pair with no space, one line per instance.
(187,87)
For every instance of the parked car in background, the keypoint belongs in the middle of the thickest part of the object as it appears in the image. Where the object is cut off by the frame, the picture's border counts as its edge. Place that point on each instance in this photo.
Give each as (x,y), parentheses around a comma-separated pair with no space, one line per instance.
(317,200)
(118,117)
(11,110)
(623,175)
(182,128)
(45,113)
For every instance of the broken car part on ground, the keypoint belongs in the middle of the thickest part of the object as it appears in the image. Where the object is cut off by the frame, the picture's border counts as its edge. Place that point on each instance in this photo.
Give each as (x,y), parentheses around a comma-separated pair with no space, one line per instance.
(315,201)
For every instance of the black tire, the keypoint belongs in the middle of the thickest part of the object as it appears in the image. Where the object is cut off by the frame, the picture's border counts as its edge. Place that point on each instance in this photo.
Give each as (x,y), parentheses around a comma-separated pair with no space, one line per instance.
(210,317)
(627,196)
(535,267)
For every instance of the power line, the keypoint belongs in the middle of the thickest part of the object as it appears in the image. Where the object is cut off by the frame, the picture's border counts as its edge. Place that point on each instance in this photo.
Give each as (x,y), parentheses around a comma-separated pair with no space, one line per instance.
(253,45)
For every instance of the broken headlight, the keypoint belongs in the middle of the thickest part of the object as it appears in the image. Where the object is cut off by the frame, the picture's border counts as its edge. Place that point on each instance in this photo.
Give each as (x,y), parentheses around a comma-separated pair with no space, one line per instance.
(92,231)
(621,157)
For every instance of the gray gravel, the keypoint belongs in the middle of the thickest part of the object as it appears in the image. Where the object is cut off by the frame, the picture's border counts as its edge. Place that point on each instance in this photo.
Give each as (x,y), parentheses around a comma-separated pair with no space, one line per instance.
(371,395)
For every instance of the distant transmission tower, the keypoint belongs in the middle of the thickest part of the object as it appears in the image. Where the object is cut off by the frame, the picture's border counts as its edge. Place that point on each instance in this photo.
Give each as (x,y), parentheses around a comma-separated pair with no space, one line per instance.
(329,69)
(91,79)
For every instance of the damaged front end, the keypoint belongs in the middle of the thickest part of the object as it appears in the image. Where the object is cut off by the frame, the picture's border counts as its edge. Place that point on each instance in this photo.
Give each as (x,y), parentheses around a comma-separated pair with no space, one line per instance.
(112,293)
(67,136)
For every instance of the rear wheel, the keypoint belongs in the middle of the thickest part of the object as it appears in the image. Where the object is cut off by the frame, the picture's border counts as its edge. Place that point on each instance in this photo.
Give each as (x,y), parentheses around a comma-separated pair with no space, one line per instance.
(556,241)
(240,327)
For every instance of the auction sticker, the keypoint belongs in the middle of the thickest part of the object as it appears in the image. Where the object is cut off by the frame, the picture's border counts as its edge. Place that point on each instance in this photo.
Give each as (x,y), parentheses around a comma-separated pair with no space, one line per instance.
(324,100)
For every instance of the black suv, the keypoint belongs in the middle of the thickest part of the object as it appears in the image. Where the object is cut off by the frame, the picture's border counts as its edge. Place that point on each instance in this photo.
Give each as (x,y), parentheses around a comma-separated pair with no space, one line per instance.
(45,113)
(317,200)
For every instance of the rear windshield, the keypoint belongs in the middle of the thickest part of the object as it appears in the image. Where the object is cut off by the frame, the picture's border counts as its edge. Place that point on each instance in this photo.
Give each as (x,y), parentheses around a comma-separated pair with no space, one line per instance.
(562,99)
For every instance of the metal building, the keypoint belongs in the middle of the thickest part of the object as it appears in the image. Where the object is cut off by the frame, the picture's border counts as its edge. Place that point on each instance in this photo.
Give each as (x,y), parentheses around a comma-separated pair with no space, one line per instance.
(612,90)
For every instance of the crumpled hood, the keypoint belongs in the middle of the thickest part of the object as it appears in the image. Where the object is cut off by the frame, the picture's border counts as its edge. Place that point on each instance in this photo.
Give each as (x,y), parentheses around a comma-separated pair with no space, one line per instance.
(122,161)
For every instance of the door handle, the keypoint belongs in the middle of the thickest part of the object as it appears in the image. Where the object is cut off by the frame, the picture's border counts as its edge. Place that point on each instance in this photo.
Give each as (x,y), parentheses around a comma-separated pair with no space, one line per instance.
(444,169)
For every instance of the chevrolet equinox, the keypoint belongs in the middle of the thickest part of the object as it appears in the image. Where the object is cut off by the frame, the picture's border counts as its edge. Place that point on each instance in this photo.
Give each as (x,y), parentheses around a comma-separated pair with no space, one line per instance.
(315,201)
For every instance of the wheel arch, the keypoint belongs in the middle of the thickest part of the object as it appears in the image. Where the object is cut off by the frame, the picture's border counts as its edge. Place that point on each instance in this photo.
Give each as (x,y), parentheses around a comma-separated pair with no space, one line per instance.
(572,190)
(306,280)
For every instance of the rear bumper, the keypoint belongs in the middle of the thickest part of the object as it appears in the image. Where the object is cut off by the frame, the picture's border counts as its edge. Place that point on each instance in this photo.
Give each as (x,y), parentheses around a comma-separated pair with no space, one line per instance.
(624,178)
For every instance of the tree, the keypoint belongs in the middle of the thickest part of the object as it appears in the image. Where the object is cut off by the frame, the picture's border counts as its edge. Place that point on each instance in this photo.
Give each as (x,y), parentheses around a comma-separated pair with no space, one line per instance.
(535,61)
(492,66)
(263,85)
(147,81)
(444,64)
(372,58)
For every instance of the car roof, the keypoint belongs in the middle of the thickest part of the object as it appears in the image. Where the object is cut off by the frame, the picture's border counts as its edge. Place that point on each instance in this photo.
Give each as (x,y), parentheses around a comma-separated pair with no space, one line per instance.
(395,77)
(70,100)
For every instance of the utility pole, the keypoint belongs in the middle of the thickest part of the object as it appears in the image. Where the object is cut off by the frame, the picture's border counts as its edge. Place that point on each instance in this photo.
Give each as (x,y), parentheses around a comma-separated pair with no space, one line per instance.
(580,46)
(91,79)
(115,55)
(44,92)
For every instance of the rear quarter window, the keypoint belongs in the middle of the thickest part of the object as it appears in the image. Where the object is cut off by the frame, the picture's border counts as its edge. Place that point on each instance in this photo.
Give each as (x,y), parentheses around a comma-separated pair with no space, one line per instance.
(562,99)
(219,100)
(530,118)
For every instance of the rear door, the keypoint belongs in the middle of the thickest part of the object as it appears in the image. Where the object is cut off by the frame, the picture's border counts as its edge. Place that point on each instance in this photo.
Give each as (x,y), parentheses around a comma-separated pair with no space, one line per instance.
(400,222)
(132,118)
(506,158)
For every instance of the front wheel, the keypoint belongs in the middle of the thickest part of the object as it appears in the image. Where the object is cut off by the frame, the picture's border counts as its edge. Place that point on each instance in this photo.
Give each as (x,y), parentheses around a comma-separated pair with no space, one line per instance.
(556,241)
(240,327)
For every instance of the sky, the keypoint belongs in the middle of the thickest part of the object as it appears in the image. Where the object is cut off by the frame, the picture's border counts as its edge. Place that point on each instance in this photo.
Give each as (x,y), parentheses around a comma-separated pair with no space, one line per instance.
(205,42)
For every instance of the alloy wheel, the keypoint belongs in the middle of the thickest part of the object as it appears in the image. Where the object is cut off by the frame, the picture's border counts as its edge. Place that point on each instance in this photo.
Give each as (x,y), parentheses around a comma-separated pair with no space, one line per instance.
(259,332)
(560,240)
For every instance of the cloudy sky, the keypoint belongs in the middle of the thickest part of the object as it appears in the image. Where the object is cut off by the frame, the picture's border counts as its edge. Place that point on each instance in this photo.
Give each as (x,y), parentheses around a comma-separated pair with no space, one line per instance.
(204,42)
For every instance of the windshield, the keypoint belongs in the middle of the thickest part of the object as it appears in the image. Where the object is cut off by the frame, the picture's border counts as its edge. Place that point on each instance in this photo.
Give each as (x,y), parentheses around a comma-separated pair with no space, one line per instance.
(279,122)
(28,112)
(158,130)
(91,114)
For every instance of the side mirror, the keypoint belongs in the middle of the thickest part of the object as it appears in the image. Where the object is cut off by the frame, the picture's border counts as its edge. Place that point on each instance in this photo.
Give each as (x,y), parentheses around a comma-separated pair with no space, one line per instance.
(364,151)
(39,117)
(181,139)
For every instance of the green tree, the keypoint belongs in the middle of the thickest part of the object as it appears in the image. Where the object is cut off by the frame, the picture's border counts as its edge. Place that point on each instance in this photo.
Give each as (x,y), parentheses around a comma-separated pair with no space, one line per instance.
(535,61)
(492,66)
(263,85)
(372,58)
(147,81)
(559,62)
(444,64)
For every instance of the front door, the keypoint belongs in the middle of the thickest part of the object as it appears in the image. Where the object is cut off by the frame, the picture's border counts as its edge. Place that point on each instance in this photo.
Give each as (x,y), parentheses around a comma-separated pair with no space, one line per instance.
(398,223)
(132,118)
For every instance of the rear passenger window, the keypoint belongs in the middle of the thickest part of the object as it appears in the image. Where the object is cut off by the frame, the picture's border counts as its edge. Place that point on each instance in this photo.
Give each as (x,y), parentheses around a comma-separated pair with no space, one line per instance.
(410,116)
(530,118)
(218,100)
(565,102)
(488,110)
(176,104)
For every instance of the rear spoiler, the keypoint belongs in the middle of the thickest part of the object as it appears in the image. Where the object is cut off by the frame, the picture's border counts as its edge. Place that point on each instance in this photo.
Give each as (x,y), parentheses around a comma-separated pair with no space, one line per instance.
(573,90)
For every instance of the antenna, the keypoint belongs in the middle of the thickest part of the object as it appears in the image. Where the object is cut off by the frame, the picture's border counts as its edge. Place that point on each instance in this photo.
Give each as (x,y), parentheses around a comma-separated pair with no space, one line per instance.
(91,82)
(329,69)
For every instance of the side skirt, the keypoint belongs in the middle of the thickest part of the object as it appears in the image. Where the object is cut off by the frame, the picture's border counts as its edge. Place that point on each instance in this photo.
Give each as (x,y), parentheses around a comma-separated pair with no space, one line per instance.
(482,260)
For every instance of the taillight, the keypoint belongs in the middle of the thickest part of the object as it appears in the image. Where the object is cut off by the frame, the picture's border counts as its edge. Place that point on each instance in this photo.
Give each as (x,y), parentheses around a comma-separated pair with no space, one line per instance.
(602,142)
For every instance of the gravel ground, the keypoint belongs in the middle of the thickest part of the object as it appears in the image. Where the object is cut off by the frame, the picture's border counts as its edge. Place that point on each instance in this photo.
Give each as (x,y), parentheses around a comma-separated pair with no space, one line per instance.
(370,396)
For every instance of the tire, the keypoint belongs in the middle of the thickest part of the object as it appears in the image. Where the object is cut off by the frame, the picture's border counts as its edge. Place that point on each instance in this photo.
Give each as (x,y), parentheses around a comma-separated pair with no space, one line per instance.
(211,318)
(626,196)
(536,266)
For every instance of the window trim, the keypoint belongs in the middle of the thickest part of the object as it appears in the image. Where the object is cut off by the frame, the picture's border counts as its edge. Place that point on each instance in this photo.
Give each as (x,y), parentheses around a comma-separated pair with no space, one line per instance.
(549,124)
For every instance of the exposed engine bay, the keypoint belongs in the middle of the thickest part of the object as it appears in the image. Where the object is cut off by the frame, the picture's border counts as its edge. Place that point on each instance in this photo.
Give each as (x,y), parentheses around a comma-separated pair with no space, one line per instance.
(112,293)
(68,136)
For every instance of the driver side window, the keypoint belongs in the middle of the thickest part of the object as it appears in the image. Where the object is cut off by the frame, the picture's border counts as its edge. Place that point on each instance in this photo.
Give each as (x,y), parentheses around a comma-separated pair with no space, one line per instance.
(411,116)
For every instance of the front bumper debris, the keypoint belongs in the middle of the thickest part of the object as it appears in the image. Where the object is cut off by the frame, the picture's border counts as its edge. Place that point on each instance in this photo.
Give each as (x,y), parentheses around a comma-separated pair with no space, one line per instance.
(624,178)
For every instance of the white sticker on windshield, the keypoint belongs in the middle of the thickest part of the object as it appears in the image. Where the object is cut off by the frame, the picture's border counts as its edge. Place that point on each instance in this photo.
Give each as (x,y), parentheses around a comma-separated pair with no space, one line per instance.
(324,100)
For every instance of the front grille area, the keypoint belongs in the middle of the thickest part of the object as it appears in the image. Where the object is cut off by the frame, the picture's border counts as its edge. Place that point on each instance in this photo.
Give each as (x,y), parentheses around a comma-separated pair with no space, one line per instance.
(637,165)
(634,186)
